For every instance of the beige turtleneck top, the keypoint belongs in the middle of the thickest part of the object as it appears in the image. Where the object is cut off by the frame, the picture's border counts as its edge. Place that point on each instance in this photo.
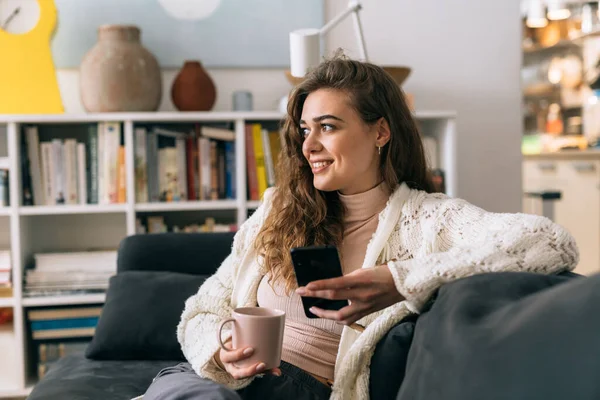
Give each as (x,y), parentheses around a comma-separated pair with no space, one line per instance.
(312,344)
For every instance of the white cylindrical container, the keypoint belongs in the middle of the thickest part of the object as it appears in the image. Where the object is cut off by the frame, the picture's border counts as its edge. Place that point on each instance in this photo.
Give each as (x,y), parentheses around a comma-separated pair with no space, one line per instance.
(305,51)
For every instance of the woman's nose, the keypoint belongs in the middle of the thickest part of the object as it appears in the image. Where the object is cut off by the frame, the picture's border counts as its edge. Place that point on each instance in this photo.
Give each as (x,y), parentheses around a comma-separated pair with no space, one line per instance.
(311,144)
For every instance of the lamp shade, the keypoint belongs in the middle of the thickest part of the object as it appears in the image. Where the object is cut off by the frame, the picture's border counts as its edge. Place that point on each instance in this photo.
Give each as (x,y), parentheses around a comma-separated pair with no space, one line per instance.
(305,51)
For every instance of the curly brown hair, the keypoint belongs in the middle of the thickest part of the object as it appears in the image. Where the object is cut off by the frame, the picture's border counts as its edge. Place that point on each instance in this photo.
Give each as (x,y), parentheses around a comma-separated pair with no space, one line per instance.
(300,214)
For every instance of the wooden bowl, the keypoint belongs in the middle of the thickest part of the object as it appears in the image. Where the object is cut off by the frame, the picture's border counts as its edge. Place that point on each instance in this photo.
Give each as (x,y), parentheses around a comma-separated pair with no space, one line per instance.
(292,79)
(399,74)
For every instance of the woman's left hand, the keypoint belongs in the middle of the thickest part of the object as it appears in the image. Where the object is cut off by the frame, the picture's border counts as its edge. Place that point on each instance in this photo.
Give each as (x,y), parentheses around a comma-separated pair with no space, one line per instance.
(368,289)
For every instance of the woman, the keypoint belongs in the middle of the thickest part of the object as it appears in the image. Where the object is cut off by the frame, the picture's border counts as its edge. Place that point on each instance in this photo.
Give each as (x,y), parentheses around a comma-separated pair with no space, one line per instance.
(352,173)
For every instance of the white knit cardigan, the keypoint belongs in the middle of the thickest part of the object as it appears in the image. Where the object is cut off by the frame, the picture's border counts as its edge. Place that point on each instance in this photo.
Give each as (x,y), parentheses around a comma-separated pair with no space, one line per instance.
(426,240)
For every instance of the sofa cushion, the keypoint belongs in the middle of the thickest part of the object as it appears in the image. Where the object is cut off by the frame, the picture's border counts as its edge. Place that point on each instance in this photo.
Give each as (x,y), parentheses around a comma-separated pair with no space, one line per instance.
(140,316)
(77,378)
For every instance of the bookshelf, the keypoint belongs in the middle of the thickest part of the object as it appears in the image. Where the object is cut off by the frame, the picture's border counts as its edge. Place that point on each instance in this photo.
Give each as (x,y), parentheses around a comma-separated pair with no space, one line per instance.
(32,229)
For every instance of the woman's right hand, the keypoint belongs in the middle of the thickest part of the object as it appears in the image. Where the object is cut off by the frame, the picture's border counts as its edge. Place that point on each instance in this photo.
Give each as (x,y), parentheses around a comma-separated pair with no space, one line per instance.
(229,357)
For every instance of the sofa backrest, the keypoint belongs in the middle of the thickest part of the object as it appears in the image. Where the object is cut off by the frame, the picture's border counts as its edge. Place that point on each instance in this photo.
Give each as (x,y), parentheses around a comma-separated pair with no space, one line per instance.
(191,253)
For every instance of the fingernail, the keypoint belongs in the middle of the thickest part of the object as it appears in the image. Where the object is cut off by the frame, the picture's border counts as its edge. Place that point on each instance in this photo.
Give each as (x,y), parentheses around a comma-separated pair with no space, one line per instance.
(300,291)
(248,351)
(277,373)
(312,310)
(260,367)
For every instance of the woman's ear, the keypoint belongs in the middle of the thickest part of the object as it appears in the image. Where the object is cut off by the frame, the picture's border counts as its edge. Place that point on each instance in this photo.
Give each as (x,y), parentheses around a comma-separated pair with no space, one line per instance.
(383,132)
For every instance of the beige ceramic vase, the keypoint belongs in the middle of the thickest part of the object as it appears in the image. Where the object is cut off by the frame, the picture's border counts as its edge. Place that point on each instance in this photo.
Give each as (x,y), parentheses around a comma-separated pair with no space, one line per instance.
(119,74)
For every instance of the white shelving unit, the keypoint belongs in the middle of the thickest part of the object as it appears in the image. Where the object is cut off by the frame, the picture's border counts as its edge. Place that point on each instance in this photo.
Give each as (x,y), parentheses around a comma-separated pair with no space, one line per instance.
(58,228)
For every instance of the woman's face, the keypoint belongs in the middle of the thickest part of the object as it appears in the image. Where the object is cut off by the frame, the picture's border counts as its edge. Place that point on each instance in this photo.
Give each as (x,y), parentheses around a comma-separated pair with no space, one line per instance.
(339,146)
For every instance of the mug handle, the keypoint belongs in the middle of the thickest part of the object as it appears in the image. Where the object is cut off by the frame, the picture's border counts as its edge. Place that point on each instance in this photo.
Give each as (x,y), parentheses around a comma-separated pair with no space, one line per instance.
(220,330)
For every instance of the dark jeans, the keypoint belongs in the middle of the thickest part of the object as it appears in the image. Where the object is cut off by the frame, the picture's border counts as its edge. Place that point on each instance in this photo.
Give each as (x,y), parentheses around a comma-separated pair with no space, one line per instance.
(180,382)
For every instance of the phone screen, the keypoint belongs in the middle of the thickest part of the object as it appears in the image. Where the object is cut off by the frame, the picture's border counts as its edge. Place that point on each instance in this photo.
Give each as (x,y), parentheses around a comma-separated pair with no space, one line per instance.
(313,263)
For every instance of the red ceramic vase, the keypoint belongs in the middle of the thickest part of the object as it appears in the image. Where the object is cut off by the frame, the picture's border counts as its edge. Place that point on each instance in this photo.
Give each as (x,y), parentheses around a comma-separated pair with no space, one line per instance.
(193,89)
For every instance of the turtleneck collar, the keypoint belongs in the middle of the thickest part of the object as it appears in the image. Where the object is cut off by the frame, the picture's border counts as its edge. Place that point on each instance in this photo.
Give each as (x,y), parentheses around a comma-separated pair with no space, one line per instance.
(365,205)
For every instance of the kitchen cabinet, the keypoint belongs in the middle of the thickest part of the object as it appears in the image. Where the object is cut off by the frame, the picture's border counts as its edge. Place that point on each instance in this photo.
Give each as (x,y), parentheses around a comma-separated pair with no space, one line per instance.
(576,175)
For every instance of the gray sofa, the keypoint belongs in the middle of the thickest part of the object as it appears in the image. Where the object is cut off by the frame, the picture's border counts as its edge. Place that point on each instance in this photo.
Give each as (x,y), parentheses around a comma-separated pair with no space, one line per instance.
(492,336)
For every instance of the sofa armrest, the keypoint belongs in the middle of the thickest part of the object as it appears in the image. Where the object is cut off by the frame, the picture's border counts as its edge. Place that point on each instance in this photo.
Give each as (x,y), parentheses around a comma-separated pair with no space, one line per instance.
(191,253)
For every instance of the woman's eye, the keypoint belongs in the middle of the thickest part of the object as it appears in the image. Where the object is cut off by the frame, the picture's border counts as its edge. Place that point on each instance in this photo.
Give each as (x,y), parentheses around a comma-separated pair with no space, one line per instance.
(304,132)
(327,127)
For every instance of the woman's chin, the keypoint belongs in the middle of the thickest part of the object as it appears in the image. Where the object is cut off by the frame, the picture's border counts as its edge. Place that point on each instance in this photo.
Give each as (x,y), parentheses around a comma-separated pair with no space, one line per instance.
(325,185)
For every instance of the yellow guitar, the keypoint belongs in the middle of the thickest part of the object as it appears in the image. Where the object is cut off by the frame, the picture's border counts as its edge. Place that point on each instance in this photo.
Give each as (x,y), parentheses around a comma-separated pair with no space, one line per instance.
(28,83)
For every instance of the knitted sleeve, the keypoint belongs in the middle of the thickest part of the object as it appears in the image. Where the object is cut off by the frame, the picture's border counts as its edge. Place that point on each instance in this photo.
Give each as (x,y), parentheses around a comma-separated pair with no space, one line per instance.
(464,240)
(197,329)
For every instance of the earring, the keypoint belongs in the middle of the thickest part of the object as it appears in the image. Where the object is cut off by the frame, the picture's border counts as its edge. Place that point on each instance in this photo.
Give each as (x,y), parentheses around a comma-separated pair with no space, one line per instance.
(379,149)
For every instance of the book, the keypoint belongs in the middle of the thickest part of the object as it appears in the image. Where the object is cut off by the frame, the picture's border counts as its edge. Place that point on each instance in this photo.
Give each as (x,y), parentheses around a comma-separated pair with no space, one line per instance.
(47,173)
(218,133)
(269,165)
(64,323)
(58,313)
(82,174)
(141,166)
(63,333)
(182,186)
(4,198)
(259,156)
(252,185)
(70,171)
(92,164)
(35,171)
(57,171)
(204,167)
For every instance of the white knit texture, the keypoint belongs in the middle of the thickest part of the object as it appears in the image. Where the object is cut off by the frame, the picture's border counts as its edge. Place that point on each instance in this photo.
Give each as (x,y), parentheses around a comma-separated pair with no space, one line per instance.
(431,238)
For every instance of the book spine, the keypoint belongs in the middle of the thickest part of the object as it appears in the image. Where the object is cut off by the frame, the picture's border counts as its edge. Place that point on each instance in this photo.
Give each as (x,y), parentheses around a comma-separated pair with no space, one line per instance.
(152,163)
(182,179)
(92,164)
(58,172)
(230,180)
(191,159)
(102,164)
(112,144)
(205,168)
(33,147)
(82,174)
(70,171)
(46,149)
(25,174)
(214,171)
(4,188)
(251,165)
(261,172)
(141,166)
(268,158)
(122,177)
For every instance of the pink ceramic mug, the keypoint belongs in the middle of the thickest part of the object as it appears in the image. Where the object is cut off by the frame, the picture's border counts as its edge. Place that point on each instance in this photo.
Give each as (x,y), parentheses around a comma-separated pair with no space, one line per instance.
(260,328)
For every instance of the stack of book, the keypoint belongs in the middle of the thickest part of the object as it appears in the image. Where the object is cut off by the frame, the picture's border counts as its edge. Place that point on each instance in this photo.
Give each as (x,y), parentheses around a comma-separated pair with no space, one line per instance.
(157,224)
(200,165)
(58,332)
(63,323)
(70,273)
(5,274)
(70,172)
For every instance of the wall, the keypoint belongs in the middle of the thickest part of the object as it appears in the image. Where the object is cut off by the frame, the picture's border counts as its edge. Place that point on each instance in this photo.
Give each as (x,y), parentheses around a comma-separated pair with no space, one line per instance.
(267,87)
(465,56)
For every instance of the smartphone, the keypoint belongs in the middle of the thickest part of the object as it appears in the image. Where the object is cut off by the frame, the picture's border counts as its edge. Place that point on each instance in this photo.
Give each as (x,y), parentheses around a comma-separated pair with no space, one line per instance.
(313,263)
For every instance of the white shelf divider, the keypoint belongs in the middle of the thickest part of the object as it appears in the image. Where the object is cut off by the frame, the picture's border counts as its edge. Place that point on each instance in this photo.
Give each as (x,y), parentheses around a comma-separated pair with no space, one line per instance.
(64,300)
(4,163)
(73,209)
(7,302)
(187,206)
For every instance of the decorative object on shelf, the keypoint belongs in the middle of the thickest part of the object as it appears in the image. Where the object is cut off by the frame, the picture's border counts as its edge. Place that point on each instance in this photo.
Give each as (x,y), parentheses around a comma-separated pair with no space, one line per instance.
(193,89)
(27,73)
(119,74)
(242,100)
(536,14)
